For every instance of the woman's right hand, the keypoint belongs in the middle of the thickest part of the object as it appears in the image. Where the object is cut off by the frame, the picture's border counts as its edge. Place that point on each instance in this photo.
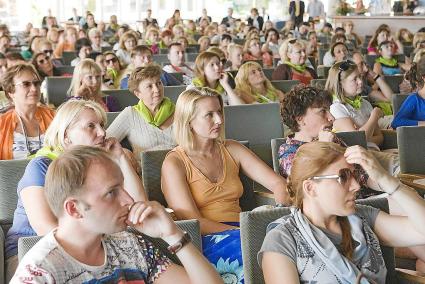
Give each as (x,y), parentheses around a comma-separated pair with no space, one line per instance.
(85,91)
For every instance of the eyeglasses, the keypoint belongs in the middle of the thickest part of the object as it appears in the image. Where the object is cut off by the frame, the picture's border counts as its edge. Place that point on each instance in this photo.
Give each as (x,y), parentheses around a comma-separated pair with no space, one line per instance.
(342,177)
(44,60)
(113,60)
(344,66)
(48,51)
(292,41)
(27,84)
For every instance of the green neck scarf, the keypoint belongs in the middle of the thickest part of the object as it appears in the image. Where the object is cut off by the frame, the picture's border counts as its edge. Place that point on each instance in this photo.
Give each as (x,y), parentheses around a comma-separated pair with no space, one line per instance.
(49,152)
(199,83)
(166,110)
(269,97)
(356,103)
(297,67)
(392,62)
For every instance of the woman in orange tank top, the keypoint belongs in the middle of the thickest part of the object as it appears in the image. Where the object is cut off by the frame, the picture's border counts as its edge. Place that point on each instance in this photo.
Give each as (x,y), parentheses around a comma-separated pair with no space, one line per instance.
(200,177)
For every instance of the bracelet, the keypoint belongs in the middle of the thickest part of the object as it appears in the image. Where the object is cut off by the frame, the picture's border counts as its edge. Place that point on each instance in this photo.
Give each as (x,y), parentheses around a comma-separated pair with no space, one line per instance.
(180,244)
(376,77)
(395,189)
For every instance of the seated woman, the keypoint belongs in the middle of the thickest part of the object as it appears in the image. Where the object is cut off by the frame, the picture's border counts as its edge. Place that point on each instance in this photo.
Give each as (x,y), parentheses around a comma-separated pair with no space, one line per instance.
(235,52)
(22,128)
(327,238)
(209,73)
(253,87)
(114,69)
(44,66)
(252,51)
(337,52)
(86,84)
(76,123)
(386,63)
(412,111)
(272,44)
(293,67)
(149,124)
(383,33)
(200,177)
(204,43)
(152,39)
(127,42)
(350,110)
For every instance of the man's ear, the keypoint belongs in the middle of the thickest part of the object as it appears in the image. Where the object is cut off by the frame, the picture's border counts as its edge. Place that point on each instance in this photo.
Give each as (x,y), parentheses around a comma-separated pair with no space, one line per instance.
(300,120)
(72,208)
(309,188)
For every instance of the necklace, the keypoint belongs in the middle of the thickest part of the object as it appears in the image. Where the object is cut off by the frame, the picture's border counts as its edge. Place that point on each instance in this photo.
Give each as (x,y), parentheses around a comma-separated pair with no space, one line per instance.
(27,143)
(205,164)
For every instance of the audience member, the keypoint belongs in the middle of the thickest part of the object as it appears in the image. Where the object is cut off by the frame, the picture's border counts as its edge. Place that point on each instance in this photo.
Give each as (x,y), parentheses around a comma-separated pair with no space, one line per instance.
(176,55)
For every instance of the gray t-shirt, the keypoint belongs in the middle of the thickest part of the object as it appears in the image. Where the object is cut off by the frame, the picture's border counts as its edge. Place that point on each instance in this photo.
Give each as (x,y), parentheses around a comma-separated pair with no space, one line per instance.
(286,239)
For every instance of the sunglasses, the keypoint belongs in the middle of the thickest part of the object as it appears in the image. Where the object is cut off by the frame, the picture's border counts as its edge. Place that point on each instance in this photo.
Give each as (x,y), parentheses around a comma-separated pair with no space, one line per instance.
(27,84)
(344,66)
(292,41)
(44,60)
(48,51)
(113,60)
(342,177)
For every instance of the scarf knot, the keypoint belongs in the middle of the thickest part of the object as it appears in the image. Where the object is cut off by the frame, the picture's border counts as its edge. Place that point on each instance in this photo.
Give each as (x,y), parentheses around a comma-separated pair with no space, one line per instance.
(298,67)
(390,62)
(197,82)
(166,109)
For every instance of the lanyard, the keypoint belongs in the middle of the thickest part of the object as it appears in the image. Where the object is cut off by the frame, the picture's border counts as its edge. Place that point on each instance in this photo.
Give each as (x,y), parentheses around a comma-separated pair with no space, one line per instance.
(24,131)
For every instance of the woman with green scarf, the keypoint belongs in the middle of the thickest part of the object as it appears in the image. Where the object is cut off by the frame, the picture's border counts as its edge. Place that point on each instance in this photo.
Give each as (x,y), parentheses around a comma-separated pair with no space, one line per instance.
(77,122)
(386,63)
(293,65)
(149,124)
(209,73)
(253,87)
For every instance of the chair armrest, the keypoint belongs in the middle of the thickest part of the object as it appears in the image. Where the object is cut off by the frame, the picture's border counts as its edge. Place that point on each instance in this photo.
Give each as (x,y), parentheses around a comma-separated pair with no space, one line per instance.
(408,179)
(264,198)
(410,276)
(390,139)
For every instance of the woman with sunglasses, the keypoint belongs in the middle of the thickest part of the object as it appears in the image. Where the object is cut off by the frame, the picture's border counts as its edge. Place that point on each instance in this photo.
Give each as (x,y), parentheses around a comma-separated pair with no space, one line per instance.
(252,51)
(252,86)
(76,123)
(293,63)
(22,128)
(209,73)
(200,177)
(114,69)
(86,84)
(350,110)
(44,66)
(326,237)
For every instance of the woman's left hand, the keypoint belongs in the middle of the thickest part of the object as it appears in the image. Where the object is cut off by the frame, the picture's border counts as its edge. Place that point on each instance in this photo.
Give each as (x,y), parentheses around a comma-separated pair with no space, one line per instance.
(359,155)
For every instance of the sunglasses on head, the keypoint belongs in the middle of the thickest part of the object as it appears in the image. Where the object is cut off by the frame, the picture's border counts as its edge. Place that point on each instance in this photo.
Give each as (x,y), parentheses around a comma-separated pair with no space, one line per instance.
(342,177)
(344,66)
(113,60)
(27,84)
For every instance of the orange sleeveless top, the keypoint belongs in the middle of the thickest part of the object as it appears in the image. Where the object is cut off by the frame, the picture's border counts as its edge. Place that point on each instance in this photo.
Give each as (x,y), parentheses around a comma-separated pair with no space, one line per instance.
(216,201)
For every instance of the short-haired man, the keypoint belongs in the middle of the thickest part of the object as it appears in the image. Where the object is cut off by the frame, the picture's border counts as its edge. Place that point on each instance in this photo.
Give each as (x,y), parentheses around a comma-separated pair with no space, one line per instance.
(84,189)
(96,38)
(177,63)
(141,56)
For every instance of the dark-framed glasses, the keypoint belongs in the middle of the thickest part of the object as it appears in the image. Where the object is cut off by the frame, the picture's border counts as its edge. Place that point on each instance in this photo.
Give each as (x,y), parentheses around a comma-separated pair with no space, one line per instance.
(48,51)
(113,60)
(43,60)
(27,84)
(342,177)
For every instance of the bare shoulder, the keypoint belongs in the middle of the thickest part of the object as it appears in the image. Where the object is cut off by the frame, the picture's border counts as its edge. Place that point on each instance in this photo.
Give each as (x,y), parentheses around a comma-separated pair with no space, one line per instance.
(173,161)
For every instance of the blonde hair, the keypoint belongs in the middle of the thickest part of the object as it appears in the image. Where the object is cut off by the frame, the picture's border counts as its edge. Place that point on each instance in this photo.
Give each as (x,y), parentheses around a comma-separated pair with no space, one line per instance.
(310,160)
(66,116)
(242,82)
(85,66)
(418,55)
(287,47)
(217,50)
(232,47)
(186,111)
(125,36)
(335,77)
(200,62)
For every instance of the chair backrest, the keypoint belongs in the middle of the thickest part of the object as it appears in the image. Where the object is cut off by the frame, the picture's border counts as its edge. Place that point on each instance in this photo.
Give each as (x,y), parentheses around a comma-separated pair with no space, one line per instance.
(394,82)
(397,101)
(370,59)
(190,226)
(178,76)
(62,70)
(160,58)
(56,89)
(68,56)
(191,57)
(322,52)
(275,144)
(323,71)
(411,150)
(318,83)
(151,171)
(173,92)
(268,72)
(193,48)
(110,117)
(352,138)
(253,230)
(11,171)
(285,85)
(124,97)
(256,123)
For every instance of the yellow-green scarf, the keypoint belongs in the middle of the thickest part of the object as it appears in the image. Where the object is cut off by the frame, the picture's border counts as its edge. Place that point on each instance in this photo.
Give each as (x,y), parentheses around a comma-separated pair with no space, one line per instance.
(51,153)
(356,103)
(269,97)
(166,110)
(199,83)
(297,67)
(390,62)
(386,107)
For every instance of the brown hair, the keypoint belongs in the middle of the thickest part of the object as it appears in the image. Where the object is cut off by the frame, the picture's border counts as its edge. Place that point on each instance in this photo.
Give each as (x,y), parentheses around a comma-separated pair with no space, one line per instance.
(7,82)
(310,159)
(143,73)
(200,63)
(416,74)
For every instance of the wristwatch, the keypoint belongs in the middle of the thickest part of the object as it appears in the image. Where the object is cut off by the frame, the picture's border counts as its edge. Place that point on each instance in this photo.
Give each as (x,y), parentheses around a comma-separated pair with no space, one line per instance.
(180,244)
